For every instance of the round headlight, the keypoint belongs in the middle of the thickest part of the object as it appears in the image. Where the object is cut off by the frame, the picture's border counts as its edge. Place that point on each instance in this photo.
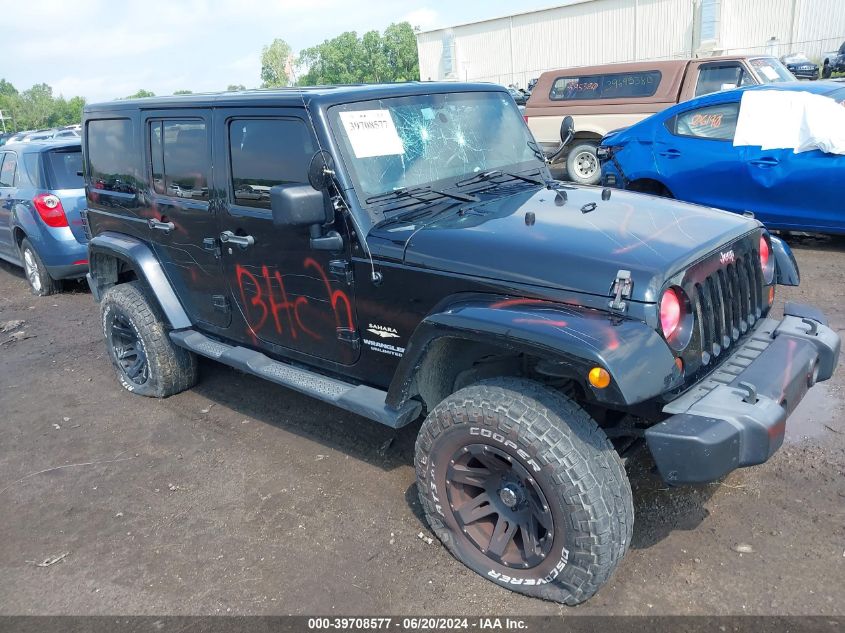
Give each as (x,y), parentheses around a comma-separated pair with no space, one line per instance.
(676,317)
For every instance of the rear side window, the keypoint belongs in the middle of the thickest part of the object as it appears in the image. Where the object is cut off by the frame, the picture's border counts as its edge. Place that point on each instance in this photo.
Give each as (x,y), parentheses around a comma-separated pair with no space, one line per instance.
(611,86)
(64,168)
(717,77)
(180,158)
(713,122)
(264,153)
(112,155)
(8,169)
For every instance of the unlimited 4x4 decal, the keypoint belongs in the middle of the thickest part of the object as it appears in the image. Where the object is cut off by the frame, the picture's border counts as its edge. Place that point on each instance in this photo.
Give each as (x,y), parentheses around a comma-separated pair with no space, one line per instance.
(265,299)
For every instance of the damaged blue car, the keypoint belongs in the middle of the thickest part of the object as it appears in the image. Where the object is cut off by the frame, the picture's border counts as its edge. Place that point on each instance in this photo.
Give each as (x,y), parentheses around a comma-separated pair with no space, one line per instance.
(775,151)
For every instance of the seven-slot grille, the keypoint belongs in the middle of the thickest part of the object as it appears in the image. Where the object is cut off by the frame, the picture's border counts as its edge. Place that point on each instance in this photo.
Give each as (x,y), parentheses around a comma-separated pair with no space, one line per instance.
(730,301)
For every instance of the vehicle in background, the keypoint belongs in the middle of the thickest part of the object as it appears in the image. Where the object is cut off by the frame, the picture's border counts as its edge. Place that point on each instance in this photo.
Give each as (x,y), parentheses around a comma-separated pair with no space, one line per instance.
(5,137)
(612,96)
(801,66)
(834,62)
(41,195)
(519,96)
(687,152)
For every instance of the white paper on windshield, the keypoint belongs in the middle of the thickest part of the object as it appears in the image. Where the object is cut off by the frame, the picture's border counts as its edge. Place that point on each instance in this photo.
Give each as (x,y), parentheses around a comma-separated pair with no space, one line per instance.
(771,73)
(372,133)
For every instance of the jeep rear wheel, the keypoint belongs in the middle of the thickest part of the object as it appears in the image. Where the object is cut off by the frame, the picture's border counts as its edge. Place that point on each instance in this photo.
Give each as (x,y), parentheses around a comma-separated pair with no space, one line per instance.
(525,489)
(145,359)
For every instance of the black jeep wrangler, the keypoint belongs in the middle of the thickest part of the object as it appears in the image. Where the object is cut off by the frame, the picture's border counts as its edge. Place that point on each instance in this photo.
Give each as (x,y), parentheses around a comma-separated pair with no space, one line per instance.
(402,250)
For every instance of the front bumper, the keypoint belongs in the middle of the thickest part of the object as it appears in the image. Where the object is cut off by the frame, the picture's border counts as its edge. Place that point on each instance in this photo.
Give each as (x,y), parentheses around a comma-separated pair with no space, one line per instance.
(737,416)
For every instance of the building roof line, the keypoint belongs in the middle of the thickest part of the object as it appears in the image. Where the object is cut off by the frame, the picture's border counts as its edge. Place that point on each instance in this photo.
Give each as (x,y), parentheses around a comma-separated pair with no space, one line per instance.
(557,5)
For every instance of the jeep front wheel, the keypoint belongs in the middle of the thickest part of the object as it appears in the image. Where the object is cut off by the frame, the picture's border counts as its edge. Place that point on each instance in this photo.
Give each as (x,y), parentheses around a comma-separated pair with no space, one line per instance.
(145,359)
(525,489)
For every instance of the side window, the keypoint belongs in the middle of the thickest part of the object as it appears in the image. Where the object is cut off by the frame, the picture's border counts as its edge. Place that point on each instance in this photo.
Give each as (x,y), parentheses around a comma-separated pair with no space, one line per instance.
(716,77)
(264,153)
(7,171)
(612,86)
(112,156)
(180,162)
(716,122)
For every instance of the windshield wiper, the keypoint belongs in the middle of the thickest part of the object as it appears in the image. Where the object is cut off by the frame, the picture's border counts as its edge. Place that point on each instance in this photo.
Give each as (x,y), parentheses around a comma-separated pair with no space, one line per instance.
(496,173)
(418,192)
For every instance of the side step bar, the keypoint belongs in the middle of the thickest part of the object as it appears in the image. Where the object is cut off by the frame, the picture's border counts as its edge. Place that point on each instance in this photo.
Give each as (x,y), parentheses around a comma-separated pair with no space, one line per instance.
(359,399)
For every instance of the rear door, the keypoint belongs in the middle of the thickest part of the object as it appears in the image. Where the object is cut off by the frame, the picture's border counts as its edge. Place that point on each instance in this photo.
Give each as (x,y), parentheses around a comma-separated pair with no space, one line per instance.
(696,158)
(8,174)
(291,297)
(184,223)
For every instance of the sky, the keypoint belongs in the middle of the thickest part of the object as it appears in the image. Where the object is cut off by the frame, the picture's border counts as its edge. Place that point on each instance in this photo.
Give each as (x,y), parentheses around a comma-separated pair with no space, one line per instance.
(104,49)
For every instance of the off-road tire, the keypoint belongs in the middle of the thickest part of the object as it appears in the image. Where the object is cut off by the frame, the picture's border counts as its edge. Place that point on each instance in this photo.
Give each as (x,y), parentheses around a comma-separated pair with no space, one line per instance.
(39,280)
(170,369)
(575,172)
(580,475)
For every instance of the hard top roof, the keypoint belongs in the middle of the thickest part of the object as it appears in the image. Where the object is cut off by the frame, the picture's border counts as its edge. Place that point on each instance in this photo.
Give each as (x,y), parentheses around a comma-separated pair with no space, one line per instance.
(319,95)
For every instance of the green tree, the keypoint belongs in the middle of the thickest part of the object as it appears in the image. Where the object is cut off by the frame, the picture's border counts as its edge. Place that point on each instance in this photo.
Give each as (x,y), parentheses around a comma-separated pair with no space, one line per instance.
(274,64)
(38,106)
(141,94)
(184,92)
(235,87)
(375,57)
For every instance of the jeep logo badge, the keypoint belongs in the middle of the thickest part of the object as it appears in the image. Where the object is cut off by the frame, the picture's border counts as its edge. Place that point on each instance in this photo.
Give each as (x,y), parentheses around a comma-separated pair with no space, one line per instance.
(727,257)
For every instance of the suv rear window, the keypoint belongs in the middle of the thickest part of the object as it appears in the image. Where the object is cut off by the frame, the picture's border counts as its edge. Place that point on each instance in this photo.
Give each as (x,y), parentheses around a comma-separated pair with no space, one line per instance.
(64,168)
(611,86)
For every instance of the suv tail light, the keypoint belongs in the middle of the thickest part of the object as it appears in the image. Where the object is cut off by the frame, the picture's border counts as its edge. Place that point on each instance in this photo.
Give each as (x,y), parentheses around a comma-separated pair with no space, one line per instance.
(50,209)
(767,262)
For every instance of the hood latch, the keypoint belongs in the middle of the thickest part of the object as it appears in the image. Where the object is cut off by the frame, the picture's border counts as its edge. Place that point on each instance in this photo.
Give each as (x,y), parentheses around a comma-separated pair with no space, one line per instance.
(621,290)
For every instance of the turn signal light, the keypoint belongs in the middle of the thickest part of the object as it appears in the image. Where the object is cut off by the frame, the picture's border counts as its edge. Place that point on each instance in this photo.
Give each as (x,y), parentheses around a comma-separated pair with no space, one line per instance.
(599,378)
(50,210)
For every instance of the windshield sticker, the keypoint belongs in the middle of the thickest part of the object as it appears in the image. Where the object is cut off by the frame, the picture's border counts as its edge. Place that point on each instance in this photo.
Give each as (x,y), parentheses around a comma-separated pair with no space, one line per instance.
(769,72)
(372,133)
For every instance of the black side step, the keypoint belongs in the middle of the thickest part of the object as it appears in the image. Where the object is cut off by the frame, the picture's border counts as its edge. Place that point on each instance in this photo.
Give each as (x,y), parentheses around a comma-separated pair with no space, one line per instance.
(359,399)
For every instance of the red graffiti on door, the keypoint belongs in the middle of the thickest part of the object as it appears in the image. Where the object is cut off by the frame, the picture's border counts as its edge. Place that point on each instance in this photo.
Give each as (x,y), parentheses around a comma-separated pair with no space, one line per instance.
(265,300)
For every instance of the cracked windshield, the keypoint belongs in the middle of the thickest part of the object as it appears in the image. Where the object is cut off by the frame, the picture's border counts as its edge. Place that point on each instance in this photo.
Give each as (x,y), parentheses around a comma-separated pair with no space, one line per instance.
(435,140)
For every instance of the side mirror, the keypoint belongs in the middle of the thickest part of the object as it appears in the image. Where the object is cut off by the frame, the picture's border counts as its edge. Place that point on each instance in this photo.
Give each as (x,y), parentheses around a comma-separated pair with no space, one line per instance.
(297,205)
(567,128)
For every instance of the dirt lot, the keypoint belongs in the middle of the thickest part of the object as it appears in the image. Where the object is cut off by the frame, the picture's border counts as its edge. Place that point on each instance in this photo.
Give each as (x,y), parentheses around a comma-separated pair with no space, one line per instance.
(242,497)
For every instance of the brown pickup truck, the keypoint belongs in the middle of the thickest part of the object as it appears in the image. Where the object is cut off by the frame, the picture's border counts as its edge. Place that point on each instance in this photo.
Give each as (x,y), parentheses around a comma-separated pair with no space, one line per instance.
(612,96)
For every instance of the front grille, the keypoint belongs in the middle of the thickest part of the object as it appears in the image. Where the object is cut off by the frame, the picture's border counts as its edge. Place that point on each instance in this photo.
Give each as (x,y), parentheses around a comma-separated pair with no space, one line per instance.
(729,301)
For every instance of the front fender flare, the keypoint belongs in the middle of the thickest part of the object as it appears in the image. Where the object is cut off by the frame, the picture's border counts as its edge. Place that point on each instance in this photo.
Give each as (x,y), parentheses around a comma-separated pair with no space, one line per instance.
(786,267)
(139,256)
(636,356)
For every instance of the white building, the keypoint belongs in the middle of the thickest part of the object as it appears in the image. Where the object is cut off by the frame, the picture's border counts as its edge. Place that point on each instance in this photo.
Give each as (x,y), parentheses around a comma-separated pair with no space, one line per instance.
(516,48)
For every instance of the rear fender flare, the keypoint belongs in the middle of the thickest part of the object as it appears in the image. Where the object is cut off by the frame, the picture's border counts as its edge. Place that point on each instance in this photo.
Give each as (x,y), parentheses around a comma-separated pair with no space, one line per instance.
(139,256)
(636,356)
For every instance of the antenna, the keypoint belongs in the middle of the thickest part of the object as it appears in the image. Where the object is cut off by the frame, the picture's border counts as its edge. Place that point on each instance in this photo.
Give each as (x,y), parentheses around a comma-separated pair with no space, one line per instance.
(375,277)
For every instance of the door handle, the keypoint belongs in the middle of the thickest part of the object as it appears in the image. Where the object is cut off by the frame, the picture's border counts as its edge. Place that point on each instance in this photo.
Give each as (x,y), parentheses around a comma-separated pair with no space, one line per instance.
(765,162)
(161,226)
(244,241)
(670,153)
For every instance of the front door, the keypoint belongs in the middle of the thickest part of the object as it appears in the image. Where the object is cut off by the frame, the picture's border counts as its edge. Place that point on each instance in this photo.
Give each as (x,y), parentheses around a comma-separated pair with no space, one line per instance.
(8,169)
(184,226)
(695,156)
(289,296)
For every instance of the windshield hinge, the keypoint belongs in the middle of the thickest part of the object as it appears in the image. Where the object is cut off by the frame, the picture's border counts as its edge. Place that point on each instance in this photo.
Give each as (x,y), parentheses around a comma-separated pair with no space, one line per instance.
(621,290)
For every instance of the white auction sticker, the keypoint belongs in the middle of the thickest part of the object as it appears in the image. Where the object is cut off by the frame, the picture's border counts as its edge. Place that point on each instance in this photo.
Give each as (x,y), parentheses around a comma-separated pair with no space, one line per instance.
(372,133)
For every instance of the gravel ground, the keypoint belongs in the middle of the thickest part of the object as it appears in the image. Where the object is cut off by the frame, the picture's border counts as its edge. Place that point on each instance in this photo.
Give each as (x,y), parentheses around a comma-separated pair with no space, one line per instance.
(245,498)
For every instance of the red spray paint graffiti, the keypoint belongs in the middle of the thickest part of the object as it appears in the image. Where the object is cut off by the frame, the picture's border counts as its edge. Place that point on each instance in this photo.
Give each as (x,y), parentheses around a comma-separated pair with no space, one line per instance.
(265,299)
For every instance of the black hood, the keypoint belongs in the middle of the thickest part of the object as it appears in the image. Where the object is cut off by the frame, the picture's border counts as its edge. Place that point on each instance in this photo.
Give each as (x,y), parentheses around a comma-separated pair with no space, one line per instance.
(536,238)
